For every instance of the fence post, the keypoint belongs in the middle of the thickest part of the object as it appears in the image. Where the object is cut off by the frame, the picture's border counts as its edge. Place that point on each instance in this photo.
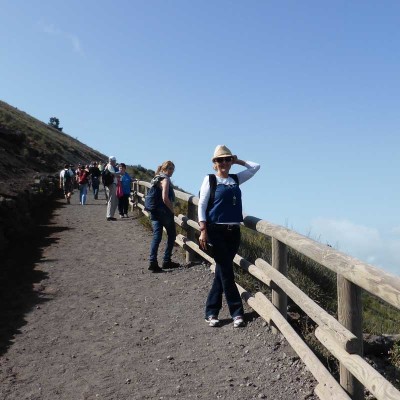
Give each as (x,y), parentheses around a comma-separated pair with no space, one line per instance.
(350,316)
(190,232)
(145,190)
(279,262)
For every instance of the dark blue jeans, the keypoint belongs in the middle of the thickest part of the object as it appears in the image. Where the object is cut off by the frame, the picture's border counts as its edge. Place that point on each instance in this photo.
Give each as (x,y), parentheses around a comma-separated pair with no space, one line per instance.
(225,246)
(159,219)
(123,204)
(95,187)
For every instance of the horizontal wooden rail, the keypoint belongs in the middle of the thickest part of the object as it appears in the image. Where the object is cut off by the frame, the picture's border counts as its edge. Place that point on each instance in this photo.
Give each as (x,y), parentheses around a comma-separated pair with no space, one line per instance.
(316,313)
(260,303)
(374,280)
(368,376)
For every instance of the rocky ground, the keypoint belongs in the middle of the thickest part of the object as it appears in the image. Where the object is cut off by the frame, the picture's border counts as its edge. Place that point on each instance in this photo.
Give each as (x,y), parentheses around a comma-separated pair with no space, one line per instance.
(98,325)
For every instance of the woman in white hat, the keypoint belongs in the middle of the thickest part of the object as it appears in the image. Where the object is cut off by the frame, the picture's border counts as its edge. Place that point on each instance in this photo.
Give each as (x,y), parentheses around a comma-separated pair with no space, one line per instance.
(220,215)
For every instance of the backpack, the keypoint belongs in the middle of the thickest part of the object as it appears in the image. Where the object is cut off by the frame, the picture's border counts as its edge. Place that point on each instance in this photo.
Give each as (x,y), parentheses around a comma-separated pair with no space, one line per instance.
(67,177)
(107,177)
(153,199)
(83,177)
(213,187)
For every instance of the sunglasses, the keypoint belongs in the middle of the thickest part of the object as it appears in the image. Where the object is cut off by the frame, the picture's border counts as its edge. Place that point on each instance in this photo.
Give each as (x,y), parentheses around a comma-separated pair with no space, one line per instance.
(219,160)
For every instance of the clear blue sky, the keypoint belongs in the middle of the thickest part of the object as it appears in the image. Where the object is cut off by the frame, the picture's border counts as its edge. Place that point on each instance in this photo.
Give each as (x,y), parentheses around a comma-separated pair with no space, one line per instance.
(308,89)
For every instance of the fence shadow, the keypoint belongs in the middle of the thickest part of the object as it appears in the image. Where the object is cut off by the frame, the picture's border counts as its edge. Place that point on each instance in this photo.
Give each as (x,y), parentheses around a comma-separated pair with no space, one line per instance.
(19,278)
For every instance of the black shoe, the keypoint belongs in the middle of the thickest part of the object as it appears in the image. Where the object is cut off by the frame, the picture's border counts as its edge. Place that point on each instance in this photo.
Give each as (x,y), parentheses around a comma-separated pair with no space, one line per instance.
(111,219)
(170,264)
(153,267)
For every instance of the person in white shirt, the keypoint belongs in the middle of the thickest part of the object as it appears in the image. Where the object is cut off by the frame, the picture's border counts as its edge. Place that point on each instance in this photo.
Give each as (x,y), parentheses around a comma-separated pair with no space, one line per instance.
(220,215)
(66,182)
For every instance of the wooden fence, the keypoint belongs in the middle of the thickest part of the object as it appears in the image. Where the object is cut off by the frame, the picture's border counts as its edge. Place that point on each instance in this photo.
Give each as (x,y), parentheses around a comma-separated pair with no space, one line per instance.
(342,337)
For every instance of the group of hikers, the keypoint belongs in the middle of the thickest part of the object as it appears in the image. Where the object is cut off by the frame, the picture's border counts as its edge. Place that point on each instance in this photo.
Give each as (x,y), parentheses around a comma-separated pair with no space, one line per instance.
(90,176)
(219,217)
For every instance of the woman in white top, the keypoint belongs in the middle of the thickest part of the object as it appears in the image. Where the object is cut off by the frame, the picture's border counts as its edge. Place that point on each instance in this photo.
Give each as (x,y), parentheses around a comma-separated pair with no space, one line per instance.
(220,215)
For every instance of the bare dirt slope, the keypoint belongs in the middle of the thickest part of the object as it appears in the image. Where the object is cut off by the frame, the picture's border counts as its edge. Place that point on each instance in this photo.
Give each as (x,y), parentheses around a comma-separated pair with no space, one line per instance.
(106,328)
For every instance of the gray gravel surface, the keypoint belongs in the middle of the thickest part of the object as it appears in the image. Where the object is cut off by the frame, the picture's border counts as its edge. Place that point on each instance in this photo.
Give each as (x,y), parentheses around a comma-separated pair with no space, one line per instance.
(107,328)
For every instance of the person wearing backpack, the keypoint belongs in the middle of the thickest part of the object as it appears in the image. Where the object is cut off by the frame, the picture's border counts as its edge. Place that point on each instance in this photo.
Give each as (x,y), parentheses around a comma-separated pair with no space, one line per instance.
(66,182)
(220,215)
(160,203)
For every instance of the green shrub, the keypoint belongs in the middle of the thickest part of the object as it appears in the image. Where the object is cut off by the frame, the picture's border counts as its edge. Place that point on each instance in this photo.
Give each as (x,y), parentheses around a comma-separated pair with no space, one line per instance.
(394,355)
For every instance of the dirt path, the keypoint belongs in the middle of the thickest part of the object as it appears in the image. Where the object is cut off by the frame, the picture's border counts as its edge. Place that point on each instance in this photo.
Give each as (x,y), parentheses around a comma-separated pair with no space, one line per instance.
(108,329)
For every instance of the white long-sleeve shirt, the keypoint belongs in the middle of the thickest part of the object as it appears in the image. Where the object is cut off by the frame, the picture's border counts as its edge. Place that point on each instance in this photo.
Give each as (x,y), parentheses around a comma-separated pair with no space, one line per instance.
(243,176)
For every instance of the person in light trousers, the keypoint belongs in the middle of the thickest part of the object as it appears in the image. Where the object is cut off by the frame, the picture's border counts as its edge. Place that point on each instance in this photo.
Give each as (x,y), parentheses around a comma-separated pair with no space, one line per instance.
(112,202)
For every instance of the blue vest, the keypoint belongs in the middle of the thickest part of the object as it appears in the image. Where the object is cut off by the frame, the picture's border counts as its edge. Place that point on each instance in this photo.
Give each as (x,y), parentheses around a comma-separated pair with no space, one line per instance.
(171,193)
(227,207)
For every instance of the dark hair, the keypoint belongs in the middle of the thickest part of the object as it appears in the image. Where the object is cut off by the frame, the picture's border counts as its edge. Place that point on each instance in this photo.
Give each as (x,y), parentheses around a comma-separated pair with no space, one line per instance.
(122,165)
(66,166)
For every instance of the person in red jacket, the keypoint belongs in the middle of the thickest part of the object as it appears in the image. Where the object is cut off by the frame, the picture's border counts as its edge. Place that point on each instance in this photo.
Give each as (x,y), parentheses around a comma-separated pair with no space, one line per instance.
(83,180)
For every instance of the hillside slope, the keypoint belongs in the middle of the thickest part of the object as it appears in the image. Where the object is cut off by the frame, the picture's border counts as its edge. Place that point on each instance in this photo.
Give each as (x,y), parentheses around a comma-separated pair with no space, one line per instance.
(29,147)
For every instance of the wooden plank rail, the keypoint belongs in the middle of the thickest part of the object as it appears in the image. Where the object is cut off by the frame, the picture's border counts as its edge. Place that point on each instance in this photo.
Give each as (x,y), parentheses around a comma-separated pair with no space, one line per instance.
(373,380)
(315,312)
(382,284)
(260,303)
(343,338)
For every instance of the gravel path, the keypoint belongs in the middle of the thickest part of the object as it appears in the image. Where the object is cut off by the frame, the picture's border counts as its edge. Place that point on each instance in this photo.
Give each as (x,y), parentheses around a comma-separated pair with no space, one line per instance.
(106,328)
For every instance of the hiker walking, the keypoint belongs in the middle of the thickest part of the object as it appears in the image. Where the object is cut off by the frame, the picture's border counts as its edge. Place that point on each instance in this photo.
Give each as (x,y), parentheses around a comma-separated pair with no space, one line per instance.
(83,181)
(162,216)
(123,199)
(220,215)
(111,175)
(66,182)
(95,178)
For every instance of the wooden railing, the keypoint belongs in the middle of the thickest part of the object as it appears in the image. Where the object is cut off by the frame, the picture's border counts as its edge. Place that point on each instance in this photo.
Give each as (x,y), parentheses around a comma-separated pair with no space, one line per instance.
(342,337)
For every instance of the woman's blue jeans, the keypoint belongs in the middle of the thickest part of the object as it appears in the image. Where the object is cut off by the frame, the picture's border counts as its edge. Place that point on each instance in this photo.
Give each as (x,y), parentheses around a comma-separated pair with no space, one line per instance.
(225,246)
(83,192)
(159,219)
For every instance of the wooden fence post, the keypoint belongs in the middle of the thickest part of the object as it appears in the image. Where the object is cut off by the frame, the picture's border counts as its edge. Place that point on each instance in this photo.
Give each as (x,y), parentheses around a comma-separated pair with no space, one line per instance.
(350,316)
(190,232)
(279,262)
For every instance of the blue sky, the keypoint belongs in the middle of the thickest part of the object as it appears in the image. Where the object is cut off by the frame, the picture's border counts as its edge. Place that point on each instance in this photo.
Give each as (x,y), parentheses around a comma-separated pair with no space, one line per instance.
(310,90)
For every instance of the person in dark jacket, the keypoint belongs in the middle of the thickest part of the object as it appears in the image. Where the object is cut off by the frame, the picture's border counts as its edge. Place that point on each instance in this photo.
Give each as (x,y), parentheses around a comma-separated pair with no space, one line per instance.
(95,175)
(163,217)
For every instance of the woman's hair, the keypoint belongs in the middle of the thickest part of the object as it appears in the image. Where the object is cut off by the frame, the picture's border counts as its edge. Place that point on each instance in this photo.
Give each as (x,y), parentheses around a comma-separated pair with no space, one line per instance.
(164,166)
